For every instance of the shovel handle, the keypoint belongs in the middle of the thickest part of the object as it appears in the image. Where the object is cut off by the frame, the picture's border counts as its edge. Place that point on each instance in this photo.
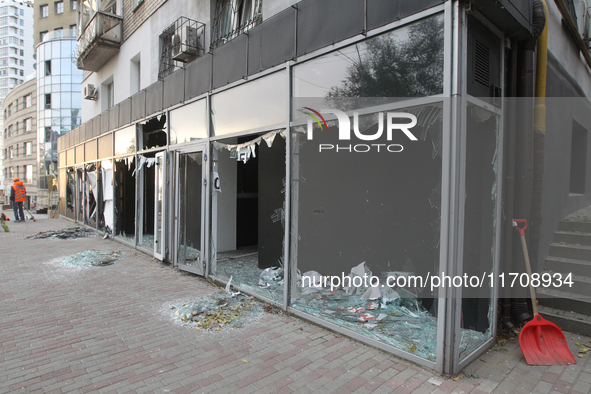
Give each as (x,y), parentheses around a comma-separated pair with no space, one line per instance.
(516,223)
(532,292)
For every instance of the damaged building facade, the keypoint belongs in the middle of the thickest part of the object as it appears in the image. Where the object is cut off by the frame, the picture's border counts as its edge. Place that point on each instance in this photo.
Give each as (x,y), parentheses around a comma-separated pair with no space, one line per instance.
(286,145)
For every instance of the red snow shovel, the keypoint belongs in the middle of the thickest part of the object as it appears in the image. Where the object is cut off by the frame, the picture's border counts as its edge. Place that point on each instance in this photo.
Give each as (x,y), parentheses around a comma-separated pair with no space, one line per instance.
(541,341)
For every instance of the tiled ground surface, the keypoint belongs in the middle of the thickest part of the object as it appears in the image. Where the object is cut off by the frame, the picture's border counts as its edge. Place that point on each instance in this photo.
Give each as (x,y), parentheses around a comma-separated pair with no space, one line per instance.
(108,329)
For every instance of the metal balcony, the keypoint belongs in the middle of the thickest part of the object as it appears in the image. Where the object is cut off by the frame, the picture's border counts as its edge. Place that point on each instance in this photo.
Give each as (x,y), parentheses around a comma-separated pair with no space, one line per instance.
(99,41)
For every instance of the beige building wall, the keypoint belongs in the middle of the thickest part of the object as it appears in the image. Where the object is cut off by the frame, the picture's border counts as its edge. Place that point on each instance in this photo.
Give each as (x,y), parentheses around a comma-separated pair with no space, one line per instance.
(20,129)
(53,20)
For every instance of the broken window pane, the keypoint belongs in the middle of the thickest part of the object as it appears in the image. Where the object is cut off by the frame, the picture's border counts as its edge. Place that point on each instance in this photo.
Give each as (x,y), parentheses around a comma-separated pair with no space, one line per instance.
(153,133)
(147,183)
(479,221)
(105,186)
(383,228)
(90,195)
(79,194)
(190,197)
(125,198)
(248,229)
(71,193)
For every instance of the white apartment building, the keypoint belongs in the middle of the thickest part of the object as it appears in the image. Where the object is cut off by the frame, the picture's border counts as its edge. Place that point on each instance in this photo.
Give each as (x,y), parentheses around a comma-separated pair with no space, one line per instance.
(16,60)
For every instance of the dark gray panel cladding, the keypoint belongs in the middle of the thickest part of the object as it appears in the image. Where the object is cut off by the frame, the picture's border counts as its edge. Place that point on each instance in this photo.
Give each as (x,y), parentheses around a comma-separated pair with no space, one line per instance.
(114,117)
(138,105)
(174,88)
(381,12)
(84,132)
(105,121)
(76,136)
(322,23)
(559,82)
(198,77)
(96,125)
(125,112)
(229,61)
(272,42)
(89,129)
(154,94)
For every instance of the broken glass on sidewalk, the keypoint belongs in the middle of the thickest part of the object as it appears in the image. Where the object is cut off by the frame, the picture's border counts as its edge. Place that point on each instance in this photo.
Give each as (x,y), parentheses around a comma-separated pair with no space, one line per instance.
(91,258)
(218,311)
(67,233)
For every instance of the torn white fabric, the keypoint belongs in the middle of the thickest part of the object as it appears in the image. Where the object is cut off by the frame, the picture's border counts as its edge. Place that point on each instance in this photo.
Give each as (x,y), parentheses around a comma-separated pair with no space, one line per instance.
(243,152)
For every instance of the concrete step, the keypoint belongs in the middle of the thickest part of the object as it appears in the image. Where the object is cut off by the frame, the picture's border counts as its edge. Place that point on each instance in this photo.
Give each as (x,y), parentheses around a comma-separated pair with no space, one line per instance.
(581,284)
(576,252)
(568,321)
(572,237)
(577,267)
(565,225)
(564,300)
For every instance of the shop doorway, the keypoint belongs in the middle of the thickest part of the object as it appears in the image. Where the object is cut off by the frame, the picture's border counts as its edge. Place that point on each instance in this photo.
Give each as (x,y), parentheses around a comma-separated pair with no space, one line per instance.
(247,212)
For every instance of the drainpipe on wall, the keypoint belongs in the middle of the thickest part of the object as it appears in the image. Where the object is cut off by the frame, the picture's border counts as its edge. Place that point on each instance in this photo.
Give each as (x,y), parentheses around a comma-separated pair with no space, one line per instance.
(524,144)
(539,143)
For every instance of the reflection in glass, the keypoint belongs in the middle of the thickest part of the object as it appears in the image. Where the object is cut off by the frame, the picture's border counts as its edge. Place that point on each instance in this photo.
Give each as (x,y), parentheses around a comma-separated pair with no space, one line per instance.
(188,123)
(125,141)
(253,105)
(407,62)
(190,175)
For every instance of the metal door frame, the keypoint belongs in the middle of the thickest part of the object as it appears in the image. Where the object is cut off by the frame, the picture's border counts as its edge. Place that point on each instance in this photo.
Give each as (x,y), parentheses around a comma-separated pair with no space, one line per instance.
(160,176)
(193,148)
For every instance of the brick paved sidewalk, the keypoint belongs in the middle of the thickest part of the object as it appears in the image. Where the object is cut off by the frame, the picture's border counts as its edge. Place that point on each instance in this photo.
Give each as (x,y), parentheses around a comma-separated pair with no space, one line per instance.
(109,330)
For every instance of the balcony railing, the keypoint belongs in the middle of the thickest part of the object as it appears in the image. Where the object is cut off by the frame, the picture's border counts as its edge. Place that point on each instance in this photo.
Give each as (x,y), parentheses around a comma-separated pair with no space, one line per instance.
(99,41)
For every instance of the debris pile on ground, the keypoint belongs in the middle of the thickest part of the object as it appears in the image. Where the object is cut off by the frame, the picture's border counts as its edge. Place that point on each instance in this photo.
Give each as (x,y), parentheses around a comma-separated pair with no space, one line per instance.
(91,258)
(66,233)
(219,311)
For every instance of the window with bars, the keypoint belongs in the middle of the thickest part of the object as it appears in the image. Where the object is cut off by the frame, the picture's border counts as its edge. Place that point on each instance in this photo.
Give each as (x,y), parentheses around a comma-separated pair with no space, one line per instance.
(234,17)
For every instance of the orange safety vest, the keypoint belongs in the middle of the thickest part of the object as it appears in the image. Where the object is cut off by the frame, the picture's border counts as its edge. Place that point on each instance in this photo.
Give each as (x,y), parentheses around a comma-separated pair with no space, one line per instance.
(20,193)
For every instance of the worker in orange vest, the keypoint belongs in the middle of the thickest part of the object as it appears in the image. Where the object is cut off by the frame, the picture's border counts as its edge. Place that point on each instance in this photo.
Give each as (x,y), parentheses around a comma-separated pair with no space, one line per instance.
(18,195)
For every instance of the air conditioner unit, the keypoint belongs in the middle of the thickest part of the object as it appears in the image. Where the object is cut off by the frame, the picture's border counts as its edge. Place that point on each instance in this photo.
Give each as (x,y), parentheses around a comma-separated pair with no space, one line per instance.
(90,92)
(185,44)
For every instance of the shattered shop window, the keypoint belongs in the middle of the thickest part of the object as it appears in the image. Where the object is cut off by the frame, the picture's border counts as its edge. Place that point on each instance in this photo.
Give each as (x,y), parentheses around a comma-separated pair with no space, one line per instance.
(124,179)
(249,209)
(366,227)
(153,133)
